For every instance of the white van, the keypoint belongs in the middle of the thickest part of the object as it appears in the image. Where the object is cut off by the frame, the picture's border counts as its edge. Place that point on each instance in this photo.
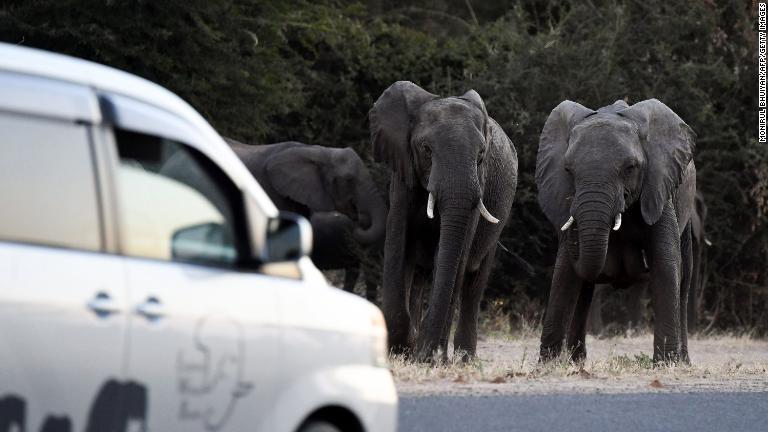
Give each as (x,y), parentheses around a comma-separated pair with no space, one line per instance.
(148,283)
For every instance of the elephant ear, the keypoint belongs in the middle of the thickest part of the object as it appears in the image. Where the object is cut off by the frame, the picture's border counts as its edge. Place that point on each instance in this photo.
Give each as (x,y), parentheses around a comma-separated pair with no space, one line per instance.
(668,143)
(297,174)
(474,98)
(390,121)
(554,184)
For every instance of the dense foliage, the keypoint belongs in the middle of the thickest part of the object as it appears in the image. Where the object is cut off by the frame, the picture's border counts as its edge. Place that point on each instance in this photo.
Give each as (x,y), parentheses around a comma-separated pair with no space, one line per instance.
(272,70)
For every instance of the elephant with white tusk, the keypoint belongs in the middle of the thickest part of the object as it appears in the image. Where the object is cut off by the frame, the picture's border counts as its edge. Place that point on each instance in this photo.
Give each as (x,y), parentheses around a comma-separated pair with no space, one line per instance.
(334,247)
(619,185)
(454,174)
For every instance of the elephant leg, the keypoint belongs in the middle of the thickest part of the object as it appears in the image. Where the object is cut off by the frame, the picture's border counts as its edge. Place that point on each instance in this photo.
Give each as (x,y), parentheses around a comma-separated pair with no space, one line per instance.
(350,278)
(370,289)
(687,271)
(664,247)
(395,283)
(634,303)
(465,339)
(464,281)
(694,290)
(456,298)
(446,333)
(595,316)
(577,331)
(563,295)
(415,298)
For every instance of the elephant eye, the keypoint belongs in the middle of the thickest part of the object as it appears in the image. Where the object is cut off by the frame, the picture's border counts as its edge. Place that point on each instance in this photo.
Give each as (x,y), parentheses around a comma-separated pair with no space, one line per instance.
(630,169)
(427,150)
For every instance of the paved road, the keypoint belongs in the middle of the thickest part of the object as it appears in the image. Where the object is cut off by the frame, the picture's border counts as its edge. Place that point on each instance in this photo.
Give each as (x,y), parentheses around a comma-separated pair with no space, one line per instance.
(697,412)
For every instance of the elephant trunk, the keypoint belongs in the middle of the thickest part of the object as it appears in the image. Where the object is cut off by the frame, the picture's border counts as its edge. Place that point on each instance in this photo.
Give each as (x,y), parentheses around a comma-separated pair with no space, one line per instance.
(456,198)
(455,216)
(372,213)
(593,223)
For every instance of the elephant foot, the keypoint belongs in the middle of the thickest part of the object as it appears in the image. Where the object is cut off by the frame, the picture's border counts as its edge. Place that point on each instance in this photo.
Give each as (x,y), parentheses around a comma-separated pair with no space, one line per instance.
(548,353)
(684,358)
(578,353)
(430,354)
(431,357)
(401,342)
(402,349)
(464,346)
(464,355)
(665,356)
(400,346)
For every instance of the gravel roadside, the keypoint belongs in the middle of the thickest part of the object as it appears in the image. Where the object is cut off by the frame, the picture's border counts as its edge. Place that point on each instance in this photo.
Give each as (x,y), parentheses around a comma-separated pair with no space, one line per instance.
(507,365)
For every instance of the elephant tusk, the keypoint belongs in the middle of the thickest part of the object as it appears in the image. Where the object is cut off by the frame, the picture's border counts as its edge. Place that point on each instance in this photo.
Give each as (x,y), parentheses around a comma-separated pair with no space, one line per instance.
(431,206)
(567,224)
(617,224)
(486,214)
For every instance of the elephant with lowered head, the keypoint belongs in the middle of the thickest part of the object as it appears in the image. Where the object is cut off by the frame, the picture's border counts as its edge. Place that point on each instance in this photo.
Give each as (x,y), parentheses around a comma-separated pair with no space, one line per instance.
(307,179)
(334,248)
(454,174)
(618,184)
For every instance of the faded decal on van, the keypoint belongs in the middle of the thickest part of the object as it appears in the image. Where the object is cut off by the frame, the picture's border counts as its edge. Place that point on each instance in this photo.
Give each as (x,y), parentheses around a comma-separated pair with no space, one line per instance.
(211,374)
(118,406)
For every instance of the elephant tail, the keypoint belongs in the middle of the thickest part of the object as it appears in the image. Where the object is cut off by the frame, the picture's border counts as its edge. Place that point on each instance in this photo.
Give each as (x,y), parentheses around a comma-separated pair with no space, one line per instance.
(520,261)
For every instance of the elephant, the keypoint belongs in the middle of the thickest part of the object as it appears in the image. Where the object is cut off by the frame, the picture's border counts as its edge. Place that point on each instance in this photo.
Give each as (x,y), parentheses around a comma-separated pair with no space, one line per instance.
(334,248)
(307,179)
(631,303)
(618,185)
(453,181)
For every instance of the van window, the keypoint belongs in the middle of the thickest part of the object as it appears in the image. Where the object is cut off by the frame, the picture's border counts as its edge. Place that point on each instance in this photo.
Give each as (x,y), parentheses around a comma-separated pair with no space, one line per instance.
(47,183)
(175,204)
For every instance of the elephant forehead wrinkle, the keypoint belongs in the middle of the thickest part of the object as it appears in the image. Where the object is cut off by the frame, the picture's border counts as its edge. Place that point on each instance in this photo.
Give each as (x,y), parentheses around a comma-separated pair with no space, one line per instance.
(451,110)
(447,136)
(602,136)
(612,122)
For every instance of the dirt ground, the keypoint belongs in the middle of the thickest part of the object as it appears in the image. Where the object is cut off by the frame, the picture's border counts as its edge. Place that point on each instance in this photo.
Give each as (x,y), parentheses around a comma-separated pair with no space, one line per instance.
(509,365)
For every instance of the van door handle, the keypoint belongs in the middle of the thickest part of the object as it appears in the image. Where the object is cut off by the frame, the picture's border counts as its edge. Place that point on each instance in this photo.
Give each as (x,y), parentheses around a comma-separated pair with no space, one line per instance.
(151,309)
(103,305)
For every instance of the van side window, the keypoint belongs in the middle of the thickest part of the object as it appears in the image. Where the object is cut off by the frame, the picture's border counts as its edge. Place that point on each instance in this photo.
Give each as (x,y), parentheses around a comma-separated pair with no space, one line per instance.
(48,189)
(175,204)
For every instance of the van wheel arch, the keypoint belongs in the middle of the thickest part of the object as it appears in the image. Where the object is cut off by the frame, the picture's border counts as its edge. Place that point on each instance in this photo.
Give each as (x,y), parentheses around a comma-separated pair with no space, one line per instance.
(331,419)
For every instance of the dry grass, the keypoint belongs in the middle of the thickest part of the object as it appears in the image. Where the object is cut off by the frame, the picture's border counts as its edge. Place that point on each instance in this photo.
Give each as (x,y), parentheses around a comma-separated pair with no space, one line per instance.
(508,363)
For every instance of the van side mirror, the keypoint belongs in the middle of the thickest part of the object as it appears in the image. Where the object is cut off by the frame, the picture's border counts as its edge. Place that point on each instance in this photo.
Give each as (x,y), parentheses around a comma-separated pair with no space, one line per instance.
(289,238)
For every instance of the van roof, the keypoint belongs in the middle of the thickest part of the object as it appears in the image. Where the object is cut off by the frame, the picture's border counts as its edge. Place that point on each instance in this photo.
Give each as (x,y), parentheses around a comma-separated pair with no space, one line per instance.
(47,64)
